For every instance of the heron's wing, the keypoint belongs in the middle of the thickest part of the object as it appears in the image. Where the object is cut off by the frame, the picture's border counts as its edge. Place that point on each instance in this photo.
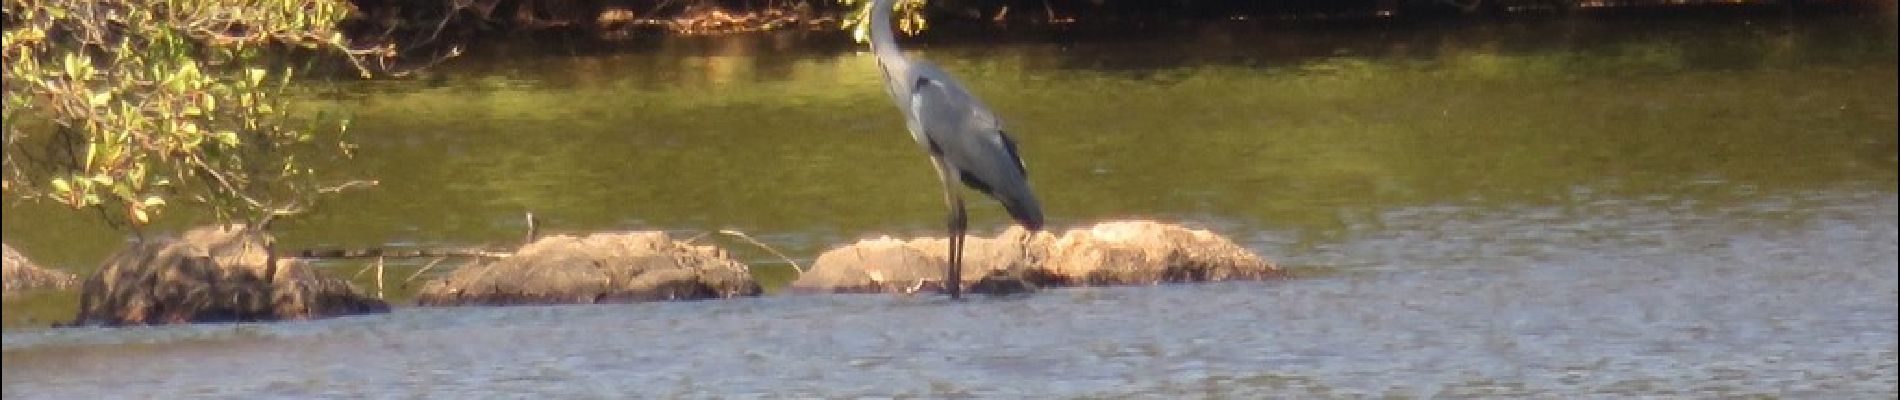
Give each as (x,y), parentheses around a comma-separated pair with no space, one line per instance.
(962,131)
(970,139)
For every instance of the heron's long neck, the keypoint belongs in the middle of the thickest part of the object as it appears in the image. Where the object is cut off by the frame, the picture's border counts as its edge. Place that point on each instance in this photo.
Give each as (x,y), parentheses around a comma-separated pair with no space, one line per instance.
(883,40)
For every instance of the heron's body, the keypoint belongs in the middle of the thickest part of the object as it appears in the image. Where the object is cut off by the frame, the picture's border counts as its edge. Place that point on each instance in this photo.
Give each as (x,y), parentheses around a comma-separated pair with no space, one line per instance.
(965,141)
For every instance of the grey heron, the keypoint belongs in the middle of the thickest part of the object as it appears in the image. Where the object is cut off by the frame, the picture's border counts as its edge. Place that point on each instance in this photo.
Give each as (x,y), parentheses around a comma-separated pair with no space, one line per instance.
(965,140)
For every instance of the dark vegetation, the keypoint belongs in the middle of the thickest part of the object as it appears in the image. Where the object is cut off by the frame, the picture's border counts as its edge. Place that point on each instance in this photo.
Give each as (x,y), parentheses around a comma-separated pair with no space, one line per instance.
(462,19)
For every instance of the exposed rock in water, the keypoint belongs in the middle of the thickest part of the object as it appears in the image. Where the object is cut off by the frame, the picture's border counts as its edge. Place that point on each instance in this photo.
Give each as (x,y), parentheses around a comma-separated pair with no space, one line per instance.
(1147,252)
(871,266)
(603,267)
(1002,265)
(1110,253)
(213,274)
(22,274)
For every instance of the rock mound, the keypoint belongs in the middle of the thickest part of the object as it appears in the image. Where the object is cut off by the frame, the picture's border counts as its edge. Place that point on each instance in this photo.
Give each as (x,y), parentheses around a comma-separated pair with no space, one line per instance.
(998,265)
(19,273)
(1148,252)
(871,266)
(212,274)
(1110,253)
(603,267)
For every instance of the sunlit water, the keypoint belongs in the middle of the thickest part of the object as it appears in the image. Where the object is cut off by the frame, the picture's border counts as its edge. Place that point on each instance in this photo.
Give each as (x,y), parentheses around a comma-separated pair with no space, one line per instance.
(1572,209)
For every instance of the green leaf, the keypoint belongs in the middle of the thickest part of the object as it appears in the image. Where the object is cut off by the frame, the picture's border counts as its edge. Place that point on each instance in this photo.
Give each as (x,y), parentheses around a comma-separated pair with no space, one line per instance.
(189,71)
(175,83)
(72,66)
(92,153)
(227,137)
(255,75)
(123,190)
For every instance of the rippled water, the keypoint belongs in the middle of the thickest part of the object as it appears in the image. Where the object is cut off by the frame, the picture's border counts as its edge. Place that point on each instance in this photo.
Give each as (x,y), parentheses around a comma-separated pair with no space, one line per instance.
(1613,299)
(1562,209)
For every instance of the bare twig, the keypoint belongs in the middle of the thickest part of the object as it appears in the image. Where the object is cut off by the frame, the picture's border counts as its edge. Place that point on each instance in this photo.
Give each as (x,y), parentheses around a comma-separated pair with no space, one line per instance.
(379,277)
(454,51)
(454,8)
(425,268)
(533,229)
(339,254)
(359,272)
(348,185)
(696,238)
(755,242)
(234,189)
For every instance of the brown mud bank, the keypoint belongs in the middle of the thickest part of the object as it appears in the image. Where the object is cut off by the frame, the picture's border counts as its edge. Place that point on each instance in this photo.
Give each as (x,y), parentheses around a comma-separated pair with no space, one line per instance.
(223,274)
(652,266)
(597,268)
(213,274)
(1106,254)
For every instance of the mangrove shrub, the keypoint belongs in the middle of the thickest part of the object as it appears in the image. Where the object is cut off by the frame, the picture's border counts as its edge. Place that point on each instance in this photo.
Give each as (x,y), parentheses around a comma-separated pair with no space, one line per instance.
(131,106)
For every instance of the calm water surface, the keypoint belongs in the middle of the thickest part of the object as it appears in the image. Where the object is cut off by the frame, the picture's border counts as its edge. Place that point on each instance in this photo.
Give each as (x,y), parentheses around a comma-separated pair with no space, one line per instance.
(1562,209)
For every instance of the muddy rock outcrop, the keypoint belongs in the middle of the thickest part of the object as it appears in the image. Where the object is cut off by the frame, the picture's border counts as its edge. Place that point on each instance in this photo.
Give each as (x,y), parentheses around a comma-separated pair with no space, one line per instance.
(1148,252)
(602,267)
(22,274)
(991,265)
(870,266)
(213,274)
(1110,253)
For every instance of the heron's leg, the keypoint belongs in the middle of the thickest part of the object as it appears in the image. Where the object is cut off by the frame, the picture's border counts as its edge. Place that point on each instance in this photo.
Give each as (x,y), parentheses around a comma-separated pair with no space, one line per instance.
(958,223)
(953,274)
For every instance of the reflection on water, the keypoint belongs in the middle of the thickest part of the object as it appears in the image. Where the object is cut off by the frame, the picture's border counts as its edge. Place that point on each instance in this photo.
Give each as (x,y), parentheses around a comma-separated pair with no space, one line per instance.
(1701,208)
(1232,126)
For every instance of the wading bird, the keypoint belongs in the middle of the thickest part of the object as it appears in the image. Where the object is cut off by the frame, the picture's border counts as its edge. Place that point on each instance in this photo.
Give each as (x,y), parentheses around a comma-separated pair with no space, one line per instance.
(965,141)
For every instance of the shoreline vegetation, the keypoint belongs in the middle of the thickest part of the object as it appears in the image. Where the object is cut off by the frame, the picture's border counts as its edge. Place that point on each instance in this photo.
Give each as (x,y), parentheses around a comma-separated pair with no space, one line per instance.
(431,30)
(621,19)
